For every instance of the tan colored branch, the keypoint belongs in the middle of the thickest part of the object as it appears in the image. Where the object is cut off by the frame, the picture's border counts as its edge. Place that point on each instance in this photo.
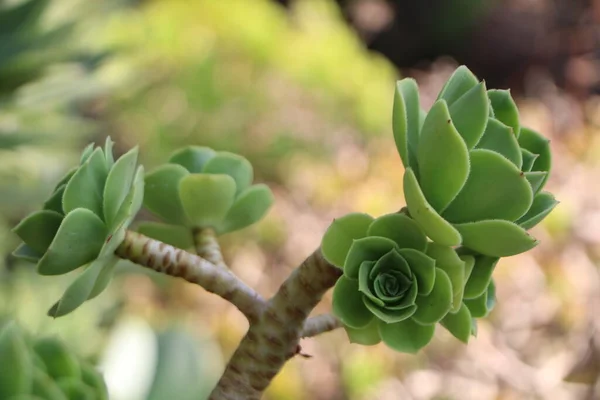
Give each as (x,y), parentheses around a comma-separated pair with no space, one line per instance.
(274,338)
(207,246)
(169,260)
(320,324)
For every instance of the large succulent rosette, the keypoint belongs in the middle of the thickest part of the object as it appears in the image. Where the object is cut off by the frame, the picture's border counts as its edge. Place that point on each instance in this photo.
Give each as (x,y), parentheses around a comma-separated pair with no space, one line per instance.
(474,176)
(83,222)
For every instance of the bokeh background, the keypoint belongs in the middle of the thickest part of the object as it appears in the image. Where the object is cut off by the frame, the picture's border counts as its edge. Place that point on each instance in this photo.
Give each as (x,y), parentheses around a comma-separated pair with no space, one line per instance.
(303,89)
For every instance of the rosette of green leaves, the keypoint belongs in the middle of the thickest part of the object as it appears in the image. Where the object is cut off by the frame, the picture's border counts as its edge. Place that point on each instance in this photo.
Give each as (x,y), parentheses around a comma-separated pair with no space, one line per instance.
(83,222)
(44,369)
(396,285)
(473,176)
(201,188)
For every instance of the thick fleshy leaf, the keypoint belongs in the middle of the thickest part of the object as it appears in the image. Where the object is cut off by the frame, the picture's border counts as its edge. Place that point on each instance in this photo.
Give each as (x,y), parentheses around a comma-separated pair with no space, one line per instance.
(390,261)
(528,160)
(401,229)
(438,229)
(496,238)
(45,388)
(161,193)
(38,229)
(459,323)
(423,267)
(192,158)
(448,261)
(501,139)
(505,109)
(491,297)
(59,361)
(66,178)
(175,235)
(536,180)
(77,242)
(86,187)
(26,253)
(108,152)
(76,390)
(249,207)
(480,277)
(233,165)
(478,306)
(129,208)
(16,366)
(469,261)
(93,379)
(106,275)
(406,336)
(389,315)
(367,336)
(543,203)
(86,153)
(370,248)
(348,304)
(496,189)
(537,144)
(206,198)
(54,203)
(406,124)
(341,233)
(118,185)
(461,81)
(470,114)
(434,306)
(364,284)
(443,158)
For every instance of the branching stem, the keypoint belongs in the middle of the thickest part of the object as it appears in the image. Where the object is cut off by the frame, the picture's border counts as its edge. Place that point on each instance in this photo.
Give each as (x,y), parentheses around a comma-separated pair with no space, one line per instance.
(207,246)
(320,324)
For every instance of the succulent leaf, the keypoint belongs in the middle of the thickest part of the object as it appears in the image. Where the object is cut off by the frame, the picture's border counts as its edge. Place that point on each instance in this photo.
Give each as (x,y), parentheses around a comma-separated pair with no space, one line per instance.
(459,83)
(501,139)
(401,229)
(233,165)
(543,203)
(249,207)
(118,185)
(86,187)
(161,193)
(206,198)
(406,121)
(38,229)
(341,233)
(367,336)
(192,158)
(505,109)
(16,366)
(348,304)
(496,238)
(406,336)
(175,235)
(459,323)
(470,114)
(433,307)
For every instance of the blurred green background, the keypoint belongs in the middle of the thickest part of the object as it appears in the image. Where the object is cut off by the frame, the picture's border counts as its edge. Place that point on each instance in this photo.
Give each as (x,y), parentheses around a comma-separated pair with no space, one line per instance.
(304,90)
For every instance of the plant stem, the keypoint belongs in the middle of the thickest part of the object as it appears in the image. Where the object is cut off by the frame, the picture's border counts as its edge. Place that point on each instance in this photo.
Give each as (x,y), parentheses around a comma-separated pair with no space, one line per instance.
(320,324)
(169,260)
(207,246)
(274,338)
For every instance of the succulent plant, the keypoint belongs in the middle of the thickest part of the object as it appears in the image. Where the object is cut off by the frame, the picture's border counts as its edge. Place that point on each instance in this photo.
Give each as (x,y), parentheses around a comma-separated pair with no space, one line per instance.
(474,176)
(36,369)
(83,222)
(202,188)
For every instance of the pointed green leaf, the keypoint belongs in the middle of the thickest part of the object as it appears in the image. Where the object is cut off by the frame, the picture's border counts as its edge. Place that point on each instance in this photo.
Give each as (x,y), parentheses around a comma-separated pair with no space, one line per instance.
(76,390)
(480,277)
(505,109)
(496,238)
(161,193)
(26,253)
(405,123)
(469,261)
(38,229)
(129,207)
(77,242)
(59,361)
(233,165)
(528,160)
(85,188)
(118,185)
(93,379)
(54,203)
(249,207)
(434,306)
(491,297)
(206,198)
(443,158)
(192,158)
(461,81)
(423,267)
(87,152)
(348,304)
(104,278)
(537,144)
(543,204)
(108,152)
(370,248)
(478,306)
(341,233)
(389,315)
(501,139)
(367,336)
(406,336)
(175,235)
(536,180)
(16,366)
(448,261)
(45,388)
(438,229)
(65,179)
(496,189)
(401,229)
(459,323)
(470,114)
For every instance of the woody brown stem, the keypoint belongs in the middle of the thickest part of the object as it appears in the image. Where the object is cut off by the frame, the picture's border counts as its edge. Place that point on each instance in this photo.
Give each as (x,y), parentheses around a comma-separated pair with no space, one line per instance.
(207,246)
(320,324)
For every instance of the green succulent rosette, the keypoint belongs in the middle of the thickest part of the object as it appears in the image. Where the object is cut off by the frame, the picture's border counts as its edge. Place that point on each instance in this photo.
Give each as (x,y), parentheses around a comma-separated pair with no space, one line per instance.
(83,222)
(397,285)
(202,188)
(44,369)
(474,176)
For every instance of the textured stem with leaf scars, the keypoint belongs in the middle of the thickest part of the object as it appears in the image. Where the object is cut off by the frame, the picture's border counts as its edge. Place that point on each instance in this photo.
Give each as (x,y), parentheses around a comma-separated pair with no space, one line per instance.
(320,324)
(274,338)
(207,246)
(169,260)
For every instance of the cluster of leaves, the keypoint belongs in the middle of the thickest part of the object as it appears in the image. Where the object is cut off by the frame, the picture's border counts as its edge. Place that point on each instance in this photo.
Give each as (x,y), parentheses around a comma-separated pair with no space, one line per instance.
(35,369)
(83,222)
(200,188)
(472,185)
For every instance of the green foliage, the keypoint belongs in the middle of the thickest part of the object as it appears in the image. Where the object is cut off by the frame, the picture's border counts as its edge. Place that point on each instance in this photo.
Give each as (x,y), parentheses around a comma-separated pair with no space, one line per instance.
(476,176)
(83,223)
(44,369)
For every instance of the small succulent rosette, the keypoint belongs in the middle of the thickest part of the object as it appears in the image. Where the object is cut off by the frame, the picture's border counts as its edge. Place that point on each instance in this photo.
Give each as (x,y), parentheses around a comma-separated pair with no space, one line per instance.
(36,369)
(473,176)
(397,285)
(201,188)
(83,222)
